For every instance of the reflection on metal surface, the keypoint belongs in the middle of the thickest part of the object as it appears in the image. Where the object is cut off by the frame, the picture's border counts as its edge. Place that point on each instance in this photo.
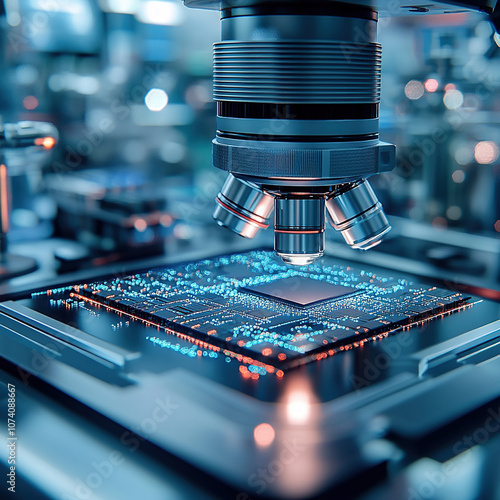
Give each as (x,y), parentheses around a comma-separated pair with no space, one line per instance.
(243,207)
(356,212)
(299,401)
(300,464)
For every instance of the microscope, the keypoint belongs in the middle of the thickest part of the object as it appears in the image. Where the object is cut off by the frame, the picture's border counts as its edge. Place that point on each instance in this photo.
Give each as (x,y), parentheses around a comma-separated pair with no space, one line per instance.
(236,376)
(297,85)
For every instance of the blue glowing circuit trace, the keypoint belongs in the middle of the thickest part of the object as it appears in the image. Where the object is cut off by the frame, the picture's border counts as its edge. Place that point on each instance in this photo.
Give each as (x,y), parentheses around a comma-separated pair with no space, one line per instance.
(218,302)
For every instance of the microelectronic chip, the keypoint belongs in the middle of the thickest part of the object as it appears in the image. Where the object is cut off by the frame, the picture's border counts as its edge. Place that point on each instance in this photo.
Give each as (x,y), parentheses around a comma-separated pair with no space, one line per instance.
(252,305)
(299,290)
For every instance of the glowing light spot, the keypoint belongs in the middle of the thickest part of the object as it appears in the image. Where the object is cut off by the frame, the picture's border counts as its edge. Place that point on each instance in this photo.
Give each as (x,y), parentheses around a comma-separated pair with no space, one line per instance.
(121,6)
(264,435)
(46,142)
(156,99)
(86,85)
(486,152)
(497,226)
(458,176)
(298,407)
(166,220)
(30,102)
(454,212)
(440,222)
(267,351)
(172,152)
(414,90)
(162,13)
(453,99)
(449,86)
(141,225)
(244,371)
(464,154)
(431,85)
(183,232)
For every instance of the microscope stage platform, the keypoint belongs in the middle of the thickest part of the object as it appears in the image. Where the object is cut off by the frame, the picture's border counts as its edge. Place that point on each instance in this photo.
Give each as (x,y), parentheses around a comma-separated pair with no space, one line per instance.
(228,343)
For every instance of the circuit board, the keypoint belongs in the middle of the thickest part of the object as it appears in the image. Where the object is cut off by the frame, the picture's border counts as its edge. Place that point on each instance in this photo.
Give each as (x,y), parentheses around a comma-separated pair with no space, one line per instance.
(253,307)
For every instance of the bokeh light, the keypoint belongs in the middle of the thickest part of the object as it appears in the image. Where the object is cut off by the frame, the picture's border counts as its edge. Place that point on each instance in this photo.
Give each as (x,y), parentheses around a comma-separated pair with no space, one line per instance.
(486,152)
(264,435)
(156,99)
(414,90)
(458,176)
(141,225)
(454,212)
(46,142)
(440,222)
(453,99)
(431,85)
(464,154)
(30,102)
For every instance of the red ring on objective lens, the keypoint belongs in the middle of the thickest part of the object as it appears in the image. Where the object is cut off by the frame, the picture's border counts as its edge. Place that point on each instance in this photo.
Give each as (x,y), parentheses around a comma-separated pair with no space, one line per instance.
(260,224)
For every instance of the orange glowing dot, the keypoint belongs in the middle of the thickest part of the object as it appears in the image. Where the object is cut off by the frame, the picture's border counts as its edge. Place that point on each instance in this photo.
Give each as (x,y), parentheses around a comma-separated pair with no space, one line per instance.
(30,102)
(431,85)
(166,220)
(211,332)
(497,226)
(282,355)
(439,222)
(267,351)
(264,435)
(449,86)
(280,373)
(141,225)
(255,376)
(46,142)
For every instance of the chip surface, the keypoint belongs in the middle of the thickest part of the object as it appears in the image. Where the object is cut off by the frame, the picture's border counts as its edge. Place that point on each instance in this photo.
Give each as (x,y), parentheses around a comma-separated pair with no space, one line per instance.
(253,307)
(299,290)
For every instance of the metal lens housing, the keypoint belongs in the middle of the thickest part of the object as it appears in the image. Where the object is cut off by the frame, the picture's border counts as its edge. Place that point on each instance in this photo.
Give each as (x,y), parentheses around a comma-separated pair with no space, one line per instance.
(356,212)
(299,228)
(243,207)
(297,86)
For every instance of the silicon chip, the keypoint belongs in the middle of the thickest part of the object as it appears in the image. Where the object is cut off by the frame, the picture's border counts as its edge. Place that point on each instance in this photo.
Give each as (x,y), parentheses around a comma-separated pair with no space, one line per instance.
(300,291)
(252,305)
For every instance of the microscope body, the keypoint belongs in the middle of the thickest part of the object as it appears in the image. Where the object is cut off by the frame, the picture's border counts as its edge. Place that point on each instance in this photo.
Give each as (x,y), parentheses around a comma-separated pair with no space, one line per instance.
(297,86)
